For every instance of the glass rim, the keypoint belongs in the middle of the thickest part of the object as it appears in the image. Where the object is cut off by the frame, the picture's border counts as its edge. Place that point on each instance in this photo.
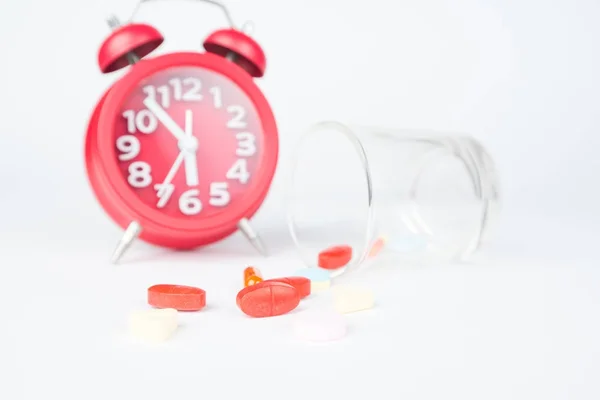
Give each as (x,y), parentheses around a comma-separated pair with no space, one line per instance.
(351,136)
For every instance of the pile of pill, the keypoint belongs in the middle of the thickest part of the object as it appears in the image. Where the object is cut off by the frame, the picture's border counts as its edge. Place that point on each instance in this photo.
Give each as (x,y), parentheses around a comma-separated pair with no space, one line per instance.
(261,298)
(160,323)
(268,298)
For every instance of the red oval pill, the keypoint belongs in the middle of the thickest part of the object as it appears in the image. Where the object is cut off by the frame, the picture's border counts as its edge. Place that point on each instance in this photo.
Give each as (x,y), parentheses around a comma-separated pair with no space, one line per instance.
(243,292)
(268,299)
(301,284)
(182,298)
(335,257)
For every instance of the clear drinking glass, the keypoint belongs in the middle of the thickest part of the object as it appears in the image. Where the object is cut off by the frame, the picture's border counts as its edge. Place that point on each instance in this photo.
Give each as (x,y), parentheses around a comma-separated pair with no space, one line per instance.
(395,196)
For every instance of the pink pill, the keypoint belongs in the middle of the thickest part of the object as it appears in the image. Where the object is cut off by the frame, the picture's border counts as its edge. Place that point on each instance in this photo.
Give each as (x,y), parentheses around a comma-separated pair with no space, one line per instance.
(320,326)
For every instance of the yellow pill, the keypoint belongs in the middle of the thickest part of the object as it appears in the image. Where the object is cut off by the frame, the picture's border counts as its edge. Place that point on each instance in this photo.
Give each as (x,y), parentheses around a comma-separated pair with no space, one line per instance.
(349,299)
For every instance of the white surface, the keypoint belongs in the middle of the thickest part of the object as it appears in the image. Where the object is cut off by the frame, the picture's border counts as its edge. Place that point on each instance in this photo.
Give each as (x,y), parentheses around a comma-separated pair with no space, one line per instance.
(320,326)
(521,322)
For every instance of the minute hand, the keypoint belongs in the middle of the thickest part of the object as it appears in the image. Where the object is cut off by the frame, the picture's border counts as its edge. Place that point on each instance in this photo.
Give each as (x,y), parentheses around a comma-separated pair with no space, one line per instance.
(164,118)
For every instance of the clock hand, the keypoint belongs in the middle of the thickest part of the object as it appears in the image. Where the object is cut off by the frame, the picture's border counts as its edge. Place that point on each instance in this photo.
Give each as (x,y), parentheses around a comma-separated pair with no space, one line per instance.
(165,119)
(165,189)
(190,158)
(173,170)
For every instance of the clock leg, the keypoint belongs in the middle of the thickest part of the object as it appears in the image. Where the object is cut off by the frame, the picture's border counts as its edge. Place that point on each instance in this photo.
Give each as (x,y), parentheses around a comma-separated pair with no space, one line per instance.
(252,236)
(131,233)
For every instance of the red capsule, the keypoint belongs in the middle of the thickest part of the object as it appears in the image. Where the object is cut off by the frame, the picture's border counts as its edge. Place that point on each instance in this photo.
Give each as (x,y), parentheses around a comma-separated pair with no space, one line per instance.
(335,257)
(268,299)
(182,298)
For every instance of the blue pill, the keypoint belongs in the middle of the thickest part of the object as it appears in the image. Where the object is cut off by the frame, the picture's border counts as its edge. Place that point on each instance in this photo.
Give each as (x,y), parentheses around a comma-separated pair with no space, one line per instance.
(314,274)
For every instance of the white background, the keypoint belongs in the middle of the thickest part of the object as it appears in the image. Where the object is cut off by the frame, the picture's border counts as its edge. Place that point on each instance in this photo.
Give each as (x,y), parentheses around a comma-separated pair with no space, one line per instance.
(521,323)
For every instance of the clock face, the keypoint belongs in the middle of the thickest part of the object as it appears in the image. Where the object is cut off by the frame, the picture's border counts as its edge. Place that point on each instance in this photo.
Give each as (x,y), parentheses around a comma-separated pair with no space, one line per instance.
(188,142)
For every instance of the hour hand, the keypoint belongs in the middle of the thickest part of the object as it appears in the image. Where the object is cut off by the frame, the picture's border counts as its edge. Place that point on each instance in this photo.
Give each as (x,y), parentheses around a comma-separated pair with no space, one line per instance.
(190,159)
(164,118)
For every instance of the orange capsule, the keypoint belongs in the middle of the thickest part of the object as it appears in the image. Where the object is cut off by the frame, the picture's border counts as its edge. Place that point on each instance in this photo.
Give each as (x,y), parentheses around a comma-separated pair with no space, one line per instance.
(252,276)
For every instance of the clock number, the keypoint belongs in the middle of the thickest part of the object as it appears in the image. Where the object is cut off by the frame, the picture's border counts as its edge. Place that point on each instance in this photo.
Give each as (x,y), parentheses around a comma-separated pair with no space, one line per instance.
(239,171)
(129,146)
(219,194)
(246,144)
(237,120)
(177,89)
(164,193)
(193,93)
(192,87)
(189,203)
(163,91)
(217,99)
(164,95)
(139,174)
(143,121)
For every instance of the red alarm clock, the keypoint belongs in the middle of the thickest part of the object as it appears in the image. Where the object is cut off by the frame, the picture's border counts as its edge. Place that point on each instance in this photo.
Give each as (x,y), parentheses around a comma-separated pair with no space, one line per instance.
(181,151)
